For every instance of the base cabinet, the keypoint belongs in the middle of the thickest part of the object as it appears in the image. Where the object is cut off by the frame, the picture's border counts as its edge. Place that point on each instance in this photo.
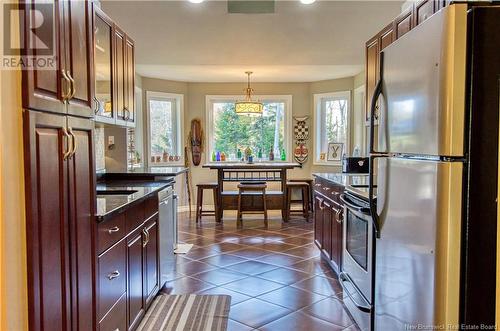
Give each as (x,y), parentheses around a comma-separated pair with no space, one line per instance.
(328,216)
(138,273)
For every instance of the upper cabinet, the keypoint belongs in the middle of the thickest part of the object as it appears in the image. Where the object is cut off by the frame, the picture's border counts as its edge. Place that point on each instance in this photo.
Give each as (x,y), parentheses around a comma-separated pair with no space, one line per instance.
(114,72)
(103,67)
(419,12)
(61,78)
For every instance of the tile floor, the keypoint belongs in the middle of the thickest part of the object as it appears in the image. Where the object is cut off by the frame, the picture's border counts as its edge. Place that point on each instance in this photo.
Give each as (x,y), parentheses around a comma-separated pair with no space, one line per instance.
(274,275)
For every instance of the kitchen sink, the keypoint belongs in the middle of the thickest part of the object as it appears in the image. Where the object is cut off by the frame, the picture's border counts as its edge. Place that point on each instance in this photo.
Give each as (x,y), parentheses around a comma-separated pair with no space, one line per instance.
(116,192)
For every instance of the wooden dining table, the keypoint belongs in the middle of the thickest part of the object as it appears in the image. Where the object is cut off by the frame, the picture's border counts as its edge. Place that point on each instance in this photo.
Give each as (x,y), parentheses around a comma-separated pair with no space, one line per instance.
(237,172)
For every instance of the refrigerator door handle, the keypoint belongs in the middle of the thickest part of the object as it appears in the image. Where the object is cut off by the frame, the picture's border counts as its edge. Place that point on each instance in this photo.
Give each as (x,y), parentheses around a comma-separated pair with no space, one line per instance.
(371,197)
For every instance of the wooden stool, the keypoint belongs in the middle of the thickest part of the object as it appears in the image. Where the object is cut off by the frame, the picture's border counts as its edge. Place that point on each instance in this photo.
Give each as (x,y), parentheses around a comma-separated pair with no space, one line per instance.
(309,181)
(304,187)
(199,201)
(245,187)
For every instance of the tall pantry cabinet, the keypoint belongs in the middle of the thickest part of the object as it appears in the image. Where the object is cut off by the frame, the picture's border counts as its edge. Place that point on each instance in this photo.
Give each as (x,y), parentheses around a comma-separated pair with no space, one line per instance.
(59,169)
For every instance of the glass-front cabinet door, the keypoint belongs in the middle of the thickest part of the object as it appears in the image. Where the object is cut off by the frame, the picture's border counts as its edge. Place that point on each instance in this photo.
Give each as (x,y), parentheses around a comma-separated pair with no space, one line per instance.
(103,98)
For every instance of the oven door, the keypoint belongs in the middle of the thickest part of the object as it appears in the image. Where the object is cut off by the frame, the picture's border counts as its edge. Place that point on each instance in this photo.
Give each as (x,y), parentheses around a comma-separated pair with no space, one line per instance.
(358,245)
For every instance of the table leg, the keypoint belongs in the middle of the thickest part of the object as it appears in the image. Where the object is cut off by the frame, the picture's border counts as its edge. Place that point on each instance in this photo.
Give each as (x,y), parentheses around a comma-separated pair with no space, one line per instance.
(220,210)
(284,212)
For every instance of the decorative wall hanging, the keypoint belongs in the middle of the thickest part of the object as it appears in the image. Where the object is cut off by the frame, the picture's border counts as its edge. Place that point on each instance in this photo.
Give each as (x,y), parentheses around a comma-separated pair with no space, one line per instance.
(335,151)
(196,141)
(301,134)
(301,129)
(300,152)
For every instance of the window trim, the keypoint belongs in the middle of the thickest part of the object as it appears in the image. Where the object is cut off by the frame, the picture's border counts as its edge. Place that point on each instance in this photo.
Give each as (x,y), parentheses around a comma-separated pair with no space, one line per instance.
(317,126)
(180,136)
(287,136)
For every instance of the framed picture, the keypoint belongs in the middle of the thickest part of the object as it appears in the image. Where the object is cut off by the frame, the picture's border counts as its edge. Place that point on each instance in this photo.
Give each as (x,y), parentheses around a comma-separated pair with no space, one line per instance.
(335,151)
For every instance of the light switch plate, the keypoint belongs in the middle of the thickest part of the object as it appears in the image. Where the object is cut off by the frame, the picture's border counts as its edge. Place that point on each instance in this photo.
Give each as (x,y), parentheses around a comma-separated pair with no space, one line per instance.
(111,140)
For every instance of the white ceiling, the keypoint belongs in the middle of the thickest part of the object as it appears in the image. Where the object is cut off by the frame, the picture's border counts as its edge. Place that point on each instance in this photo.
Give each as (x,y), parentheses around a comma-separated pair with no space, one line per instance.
(179,40)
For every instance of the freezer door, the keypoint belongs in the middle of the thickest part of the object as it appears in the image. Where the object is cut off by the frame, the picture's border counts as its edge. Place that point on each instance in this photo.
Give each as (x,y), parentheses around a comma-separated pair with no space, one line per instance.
(424,88)
(417,264)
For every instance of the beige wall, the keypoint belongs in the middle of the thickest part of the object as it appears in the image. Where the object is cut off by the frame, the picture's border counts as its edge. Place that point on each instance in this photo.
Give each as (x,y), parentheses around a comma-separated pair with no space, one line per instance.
(13,291)
(13,248)
(195,107)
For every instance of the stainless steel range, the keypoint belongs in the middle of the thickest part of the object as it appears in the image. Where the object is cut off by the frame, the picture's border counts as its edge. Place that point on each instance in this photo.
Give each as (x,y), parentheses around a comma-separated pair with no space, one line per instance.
(356,277)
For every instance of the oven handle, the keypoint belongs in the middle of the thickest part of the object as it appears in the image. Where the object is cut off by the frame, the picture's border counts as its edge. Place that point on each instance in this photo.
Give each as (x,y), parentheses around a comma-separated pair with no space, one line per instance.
(349,205)
(363,308)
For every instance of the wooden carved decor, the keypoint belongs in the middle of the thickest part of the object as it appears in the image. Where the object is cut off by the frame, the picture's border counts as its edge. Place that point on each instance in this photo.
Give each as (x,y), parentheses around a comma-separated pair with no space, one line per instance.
(196,141)
(301,134)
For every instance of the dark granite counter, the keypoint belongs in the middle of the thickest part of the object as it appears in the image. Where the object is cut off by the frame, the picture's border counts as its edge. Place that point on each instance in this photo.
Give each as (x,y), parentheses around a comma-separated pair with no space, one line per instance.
(344,179)
(109,205)
(355,183)
(142,173)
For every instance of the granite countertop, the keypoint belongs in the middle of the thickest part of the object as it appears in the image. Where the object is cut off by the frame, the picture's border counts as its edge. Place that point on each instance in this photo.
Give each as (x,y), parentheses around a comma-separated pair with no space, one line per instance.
(109,205)
(146,171)
(344,179)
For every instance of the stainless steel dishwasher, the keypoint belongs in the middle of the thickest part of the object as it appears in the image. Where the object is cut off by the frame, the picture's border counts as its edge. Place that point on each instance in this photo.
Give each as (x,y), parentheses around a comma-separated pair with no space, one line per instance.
(167,230)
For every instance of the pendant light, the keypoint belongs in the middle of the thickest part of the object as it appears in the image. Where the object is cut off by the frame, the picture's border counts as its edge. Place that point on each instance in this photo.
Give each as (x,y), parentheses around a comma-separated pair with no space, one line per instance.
(249,107)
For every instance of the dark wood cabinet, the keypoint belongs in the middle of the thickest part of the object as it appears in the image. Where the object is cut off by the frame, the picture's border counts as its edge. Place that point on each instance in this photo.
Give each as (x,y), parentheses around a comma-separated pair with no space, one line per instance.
(135,277)
(78,46)
(140,258)
(151,267)
(59,224)
(114,57)
(423,10)
(403,23)
(64,84)
(318,221)
(328,217)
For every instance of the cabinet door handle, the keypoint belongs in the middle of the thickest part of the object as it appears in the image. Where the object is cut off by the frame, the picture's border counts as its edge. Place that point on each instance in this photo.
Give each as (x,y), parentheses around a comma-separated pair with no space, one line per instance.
(317,185)
(340,215)
(146,233)
(113,275)
(113,230)
(67,152)
(73,143)
(326,188)
(96,103)
(65,96)
(73,89)
(321,204)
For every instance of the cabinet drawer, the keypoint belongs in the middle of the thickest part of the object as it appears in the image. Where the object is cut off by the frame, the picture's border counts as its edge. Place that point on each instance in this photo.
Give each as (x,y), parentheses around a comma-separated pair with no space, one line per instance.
(328,189)
(110,232)
(134,216)
(115,319)
(150,206)
(111,276)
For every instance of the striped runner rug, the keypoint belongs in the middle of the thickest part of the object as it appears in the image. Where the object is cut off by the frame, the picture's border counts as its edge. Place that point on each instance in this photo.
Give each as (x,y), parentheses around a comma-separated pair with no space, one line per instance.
(189,312)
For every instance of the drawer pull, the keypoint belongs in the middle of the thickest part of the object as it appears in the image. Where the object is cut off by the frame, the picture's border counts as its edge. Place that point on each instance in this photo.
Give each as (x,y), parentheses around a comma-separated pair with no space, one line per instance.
(113,230)
(317,184)
(326,188)
(113,275)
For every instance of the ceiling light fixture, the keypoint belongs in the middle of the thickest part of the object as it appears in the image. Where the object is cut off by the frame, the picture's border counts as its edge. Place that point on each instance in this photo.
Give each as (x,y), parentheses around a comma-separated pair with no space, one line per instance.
(307,2)
(249,107)
(196,1)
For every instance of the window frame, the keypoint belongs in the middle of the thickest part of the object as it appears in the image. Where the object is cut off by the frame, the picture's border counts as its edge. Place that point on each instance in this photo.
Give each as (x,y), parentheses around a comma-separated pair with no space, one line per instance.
(179,105)
(288,114)
(318,98)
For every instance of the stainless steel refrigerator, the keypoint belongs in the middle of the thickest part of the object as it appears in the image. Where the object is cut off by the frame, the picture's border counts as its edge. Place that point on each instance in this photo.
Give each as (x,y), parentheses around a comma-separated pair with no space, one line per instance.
(437,164)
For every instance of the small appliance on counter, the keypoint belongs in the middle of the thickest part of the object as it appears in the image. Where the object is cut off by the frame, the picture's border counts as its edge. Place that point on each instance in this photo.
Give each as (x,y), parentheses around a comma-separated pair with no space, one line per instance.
(355,164)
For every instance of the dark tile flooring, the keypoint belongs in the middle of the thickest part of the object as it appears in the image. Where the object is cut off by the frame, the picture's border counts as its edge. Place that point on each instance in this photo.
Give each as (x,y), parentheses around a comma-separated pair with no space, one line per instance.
(274,275)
